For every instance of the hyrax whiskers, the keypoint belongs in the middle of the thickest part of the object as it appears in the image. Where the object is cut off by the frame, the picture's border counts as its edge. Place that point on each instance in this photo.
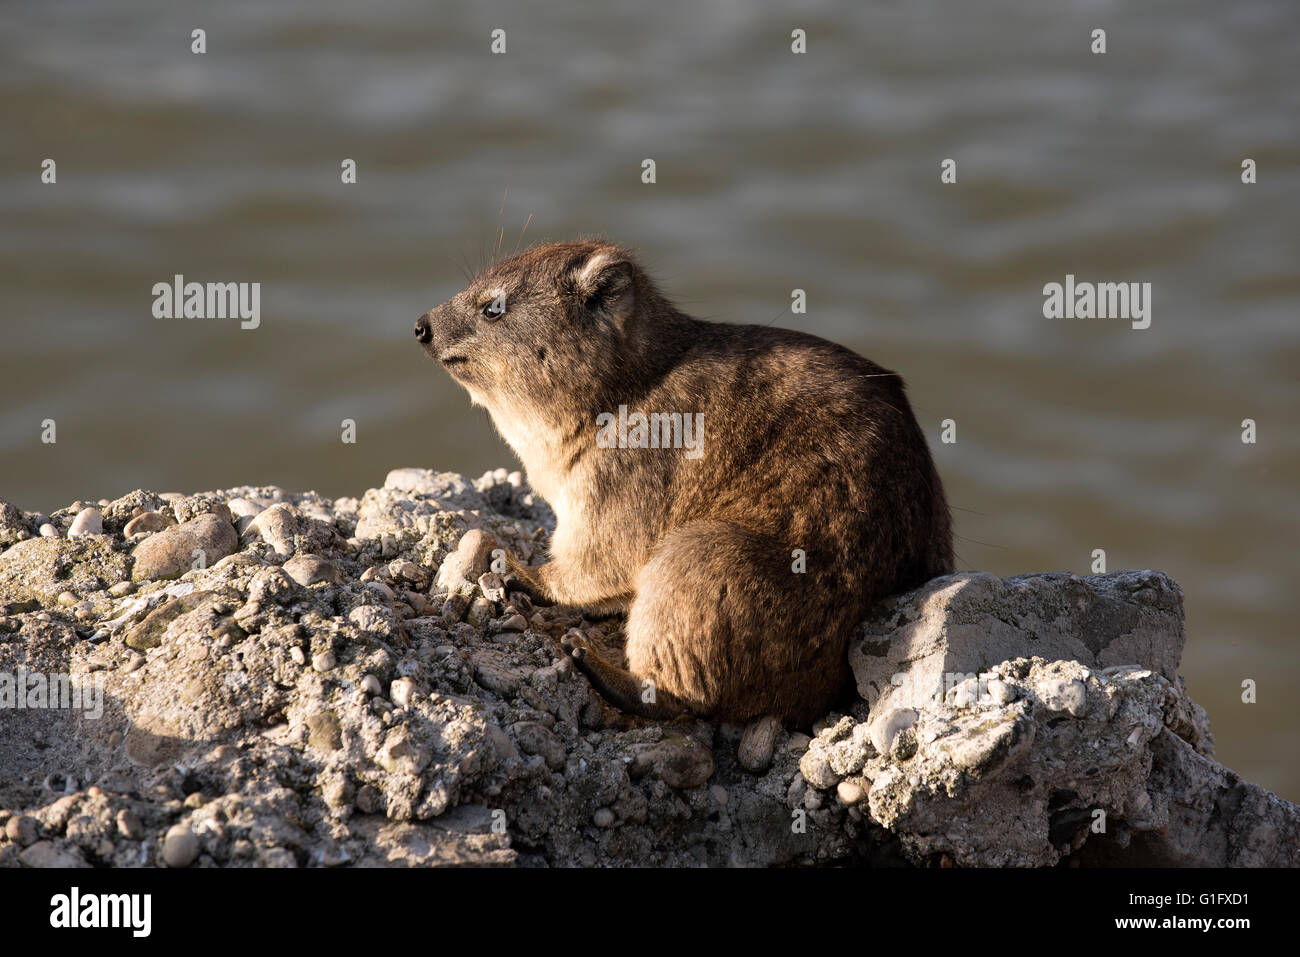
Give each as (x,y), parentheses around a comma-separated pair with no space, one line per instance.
(747,493)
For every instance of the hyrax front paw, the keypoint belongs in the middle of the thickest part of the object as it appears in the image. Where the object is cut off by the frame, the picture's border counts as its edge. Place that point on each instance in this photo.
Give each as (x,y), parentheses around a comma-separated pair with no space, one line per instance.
(525,580)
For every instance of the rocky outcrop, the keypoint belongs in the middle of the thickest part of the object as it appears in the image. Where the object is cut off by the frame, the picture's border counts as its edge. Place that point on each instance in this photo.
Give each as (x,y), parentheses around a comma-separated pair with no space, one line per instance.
(277,679)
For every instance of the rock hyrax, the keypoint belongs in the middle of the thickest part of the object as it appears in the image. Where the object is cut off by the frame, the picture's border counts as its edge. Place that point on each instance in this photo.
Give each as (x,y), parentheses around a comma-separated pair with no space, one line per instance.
(747,493)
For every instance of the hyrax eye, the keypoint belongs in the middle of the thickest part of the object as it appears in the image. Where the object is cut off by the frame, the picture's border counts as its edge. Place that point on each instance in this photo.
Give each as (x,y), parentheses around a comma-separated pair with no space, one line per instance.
(496,308)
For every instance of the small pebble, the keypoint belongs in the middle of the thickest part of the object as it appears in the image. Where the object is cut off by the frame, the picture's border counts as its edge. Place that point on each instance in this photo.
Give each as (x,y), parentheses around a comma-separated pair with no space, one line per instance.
(128,824)
(408,570)
(49,531)
(89,521)
(298,656)
(122,589)
(22,830)
(604,817)
(323,662)
(850,792)
(514,623)
(180,847)
(66,598)
(371,686)
(492,586)
(401,692)
(144,523)
(133,663)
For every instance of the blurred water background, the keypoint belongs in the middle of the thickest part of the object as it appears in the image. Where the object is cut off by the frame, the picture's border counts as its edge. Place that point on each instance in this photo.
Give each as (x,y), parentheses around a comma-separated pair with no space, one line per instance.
(775,171)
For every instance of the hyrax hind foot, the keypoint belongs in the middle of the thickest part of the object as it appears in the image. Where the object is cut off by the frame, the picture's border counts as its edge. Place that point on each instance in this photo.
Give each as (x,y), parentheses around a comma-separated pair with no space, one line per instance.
(617,686)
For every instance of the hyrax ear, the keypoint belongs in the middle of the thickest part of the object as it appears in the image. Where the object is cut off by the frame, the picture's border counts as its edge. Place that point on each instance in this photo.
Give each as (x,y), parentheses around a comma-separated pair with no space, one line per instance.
(604,286)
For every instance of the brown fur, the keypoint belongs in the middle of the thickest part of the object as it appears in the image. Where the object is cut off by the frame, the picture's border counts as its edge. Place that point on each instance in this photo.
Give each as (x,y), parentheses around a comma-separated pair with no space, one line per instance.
(806,445)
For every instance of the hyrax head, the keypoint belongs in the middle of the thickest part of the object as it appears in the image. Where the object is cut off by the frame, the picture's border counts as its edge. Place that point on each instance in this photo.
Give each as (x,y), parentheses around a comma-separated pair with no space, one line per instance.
(543,327)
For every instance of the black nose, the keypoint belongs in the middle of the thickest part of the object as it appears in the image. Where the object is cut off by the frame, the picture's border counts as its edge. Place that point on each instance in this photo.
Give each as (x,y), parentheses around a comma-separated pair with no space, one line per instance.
(423,331)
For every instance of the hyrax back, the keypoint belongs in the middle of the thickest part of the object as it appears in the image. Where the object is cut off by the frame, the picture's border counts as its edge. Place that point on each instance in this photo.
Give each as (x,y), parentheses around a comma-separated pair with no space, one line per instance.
(776,488)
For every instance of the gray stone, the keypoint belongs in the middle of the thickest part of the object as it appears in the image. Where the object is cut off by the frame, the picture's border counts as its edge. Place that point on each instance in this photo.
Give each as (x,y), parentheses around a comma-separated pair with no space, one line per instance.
(89,521)
(173,552)
(312,569)
(276,526)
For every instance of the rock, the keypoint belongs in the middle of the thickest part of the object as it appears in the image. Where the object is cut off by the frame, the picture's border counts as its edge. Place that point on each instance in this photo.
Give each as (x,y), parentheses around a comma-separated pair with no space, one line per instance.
(50,854)
(492,586)
(89,521)
(948,630)
(145,522)
(372,618)
(22,830)
(758,743)
(49,531)
(514,623)
(402,692)
(205,503)
(128,825)
(467,562)
(180,846)
(681,763)
(850,792)
(252,707)
(276,526)
(536,738)
(175,551)
(886,726)
(311,570)
(326,733)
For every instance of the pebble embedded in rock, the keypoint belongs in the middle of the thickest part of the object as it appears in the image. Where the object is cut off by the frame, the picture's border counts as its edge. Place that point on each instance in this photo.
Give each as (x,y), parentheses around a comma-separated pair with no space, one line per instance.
(89,521)
(492,586)
(758,743)
(1061,694)
(603,818)
(22,830)
(128,824)
(514,623)
(408,570)
(180,846)
(371,686)
(276,526)
(171,552)
(468,561)
(298,655)
(372,618)
(401,692)
(312,569)
(145,522)
(323,662)
(885,728)
(49,531)
(850,792)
